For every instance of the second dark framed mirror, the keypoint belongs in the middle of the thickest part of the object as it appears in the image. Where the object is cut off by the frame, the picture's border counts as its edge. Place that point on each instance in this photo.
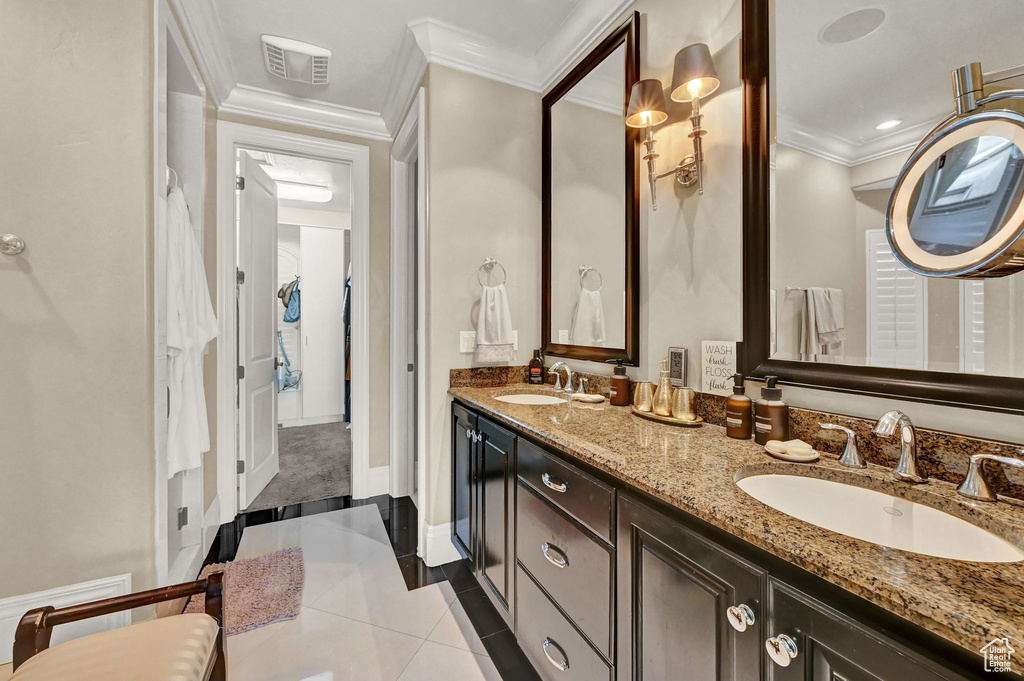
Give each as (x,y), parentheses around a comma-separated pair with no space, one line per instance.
(590,278)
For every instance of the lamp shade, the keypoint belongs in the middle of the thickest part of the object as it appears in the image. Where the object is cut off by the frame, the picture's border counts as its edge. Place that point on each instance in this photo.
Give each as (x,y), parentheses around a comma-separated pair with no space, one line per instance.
(694,74)
(646,104)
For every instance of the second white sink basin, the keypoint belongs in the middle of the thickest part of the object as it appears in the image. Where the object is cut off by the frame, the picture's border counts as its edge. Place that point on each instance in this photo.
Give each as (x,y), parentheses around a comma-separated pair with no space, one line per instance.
(530,399)
(879,518)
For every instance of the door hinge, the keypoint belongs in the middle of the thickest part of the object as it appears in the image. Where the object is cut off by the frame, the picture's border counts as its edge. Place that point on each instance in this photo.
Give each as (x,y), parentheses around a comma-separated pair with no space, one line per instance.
(239,182)
(240,467)
(182,517)
(410,367)
(239,276)
(241,373)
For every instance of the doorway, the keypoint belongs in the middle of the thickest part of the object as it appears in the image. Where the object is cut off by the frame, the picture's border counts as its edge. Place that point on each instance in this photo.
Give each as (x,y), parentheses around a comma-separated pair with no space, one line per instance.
(313,278)
(260,417)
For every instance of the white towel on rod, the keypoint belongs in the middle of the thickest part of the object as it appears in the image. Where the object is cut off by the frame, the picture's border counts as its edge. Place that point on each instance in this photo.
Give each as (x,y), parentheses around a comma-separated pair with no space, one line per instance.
(494,341)
(588,319)
(823,324)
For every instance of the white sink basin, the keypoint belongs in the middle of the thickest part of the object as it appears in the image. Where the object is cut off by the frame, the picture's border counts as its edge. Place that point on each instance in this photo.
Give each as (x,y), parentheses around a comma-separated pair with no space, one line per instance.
(879,518)
(530,399)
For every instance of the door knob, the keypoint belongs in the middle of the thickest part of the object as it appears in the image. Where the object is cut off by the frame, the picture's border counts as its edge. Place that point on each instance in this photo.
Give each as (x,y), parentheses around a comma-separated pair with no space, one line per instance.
(740,616)
(782,649)
(11,244)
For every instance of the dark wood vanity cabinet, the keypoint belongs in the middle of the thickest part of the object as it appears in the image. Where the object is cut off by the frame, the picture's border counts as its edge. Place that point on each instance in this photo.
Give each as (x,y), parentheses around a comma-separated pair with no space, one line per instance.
(483,503)
(682,601)
(600,583)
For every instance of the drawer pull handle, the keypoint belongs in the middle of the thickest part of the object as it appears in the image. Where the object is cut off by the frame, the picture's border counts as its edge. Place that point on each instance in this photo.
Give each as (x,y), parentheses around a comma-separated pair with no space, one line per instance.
(740,617)
(561,665)
(555,483)
(782,649)
(559,560)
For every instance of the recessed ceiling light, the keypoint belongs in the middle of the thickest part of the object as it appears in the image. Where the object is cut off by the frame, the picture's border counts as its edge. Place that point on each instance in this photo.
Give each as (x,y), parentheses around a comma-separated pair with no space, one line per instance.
(888,125)
(304,192)
(852,26)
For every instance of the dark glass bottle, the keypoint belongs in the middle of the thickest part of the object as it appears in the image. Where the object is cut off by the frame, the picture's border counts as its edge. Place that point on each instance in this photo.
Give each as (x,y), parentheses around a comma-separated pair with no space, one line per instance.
(771,414)
(739,417)
(536,376)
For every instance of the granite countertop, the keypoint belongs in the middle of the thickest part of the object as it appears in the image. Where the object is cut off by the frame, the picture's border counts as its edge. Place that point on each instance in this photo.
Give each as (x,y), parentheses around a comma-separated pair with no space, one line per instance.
(695,469)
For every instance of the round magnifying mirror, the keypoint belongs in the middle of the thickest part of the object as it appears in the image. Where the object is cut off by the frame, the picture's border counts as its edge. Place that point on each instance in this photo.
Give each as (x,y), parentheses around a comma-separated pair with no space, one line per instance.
(957,209)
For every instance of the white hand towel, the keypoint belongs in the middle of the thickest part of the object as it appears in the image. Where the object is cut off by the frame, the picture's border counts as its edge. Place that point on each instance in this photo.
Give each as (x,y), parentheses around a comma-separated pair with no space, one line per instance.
(588,322)
(494,342)
(822,325)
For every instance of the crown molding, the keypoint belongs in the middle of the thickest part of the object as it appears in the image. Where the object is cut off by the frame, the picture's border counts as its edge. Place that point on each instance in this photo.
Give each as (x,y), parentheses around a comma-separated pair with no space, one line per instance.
(470,52)
(310,113)
(201,26)
(405,82)
(587,22)
(825,144)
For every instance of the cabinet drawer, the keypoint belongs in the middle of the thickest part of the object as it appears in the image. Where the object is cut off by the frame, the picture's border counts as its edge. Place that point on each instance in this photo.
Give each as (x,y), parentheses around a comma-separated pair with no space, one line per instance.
(547,540)
(540,623)
(585,498)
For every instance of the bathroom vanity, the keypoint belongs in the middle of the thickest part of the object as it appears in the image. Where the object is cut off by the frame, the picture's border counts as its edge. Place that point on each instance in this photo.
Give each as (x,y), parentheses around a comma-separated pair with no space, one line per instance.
(618,548)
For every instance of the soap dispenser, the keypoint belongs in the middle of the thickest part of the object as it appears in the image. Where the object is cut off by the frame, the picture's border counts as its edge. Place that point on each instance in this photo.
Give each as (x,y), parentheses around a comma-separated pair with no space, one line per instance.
(739,418)
(619,395)
(771,414)
(663,395)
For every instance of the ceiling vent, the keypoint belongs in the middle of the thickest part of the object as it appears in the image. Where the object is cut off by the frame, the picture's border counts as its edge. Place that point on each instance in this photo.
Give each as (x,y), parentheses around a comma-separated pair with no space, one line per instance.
(296,60)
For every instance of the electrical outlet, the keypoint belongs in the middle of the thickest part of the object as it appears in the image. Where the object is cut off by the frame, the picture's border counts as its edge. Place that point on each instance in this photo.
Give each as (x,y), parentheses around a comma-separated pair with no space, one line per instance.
(563,336)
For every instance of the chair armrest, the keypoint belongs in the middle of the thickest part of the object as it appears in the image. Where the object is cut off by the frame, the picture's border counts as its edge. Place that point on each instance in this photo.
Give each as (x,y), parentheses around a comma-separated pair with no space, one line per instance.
(33,633)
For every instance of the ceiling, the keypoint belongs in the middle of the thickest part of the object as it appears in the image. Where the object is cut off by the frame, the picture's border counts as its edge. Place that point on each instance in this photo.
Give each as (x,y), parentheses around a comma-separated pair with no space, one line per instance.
(380,49)
(335,176)
(830,97)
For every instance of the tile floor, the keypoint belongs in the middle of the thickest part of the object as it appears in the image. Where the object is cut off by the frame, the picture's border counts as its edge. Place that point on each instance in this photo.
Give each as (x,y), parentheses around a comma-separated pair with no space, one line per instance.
(359,620)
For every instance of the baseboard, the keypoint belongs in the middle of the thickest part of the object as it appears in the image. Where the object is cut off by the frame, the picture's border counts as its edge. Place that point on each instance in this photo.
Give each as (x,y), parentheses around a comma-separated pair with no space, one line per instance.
(438,548)
(12,609)
(378,481)
(311,421)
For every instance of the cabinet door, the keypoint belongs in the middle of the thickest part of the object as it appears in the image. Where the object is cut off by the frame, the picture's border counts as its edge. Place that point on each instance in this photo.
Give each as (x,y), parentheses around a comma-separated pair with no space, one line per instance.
(464,473)
(496,486)
(675,589)
(831,646)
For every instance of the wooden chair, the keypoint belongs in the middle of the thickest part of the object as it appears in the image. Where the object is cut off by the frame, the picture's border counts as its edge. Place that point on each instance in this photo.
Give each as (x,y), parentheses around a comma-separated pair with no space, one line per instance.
(140,651)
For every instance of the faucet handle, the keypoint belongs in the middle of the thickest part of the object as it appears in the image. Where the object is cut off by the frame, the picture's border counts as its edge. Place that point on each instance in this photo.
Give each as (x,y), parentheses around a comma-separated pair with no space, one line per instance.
(974,485)
(851,457)
(581,385)
(558,381)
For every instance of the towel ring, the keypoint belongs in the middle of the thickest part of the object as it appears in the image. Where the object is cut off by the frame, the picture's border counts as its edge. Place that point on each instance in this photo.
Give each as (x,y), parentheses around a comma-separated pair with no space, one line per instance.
(584,271)
(488,265)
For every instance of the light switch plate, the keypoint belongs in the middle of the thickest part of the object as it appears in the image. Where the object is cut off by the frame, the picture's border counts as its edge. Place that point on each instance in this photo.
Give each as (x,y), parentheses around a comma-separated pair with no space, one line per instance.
(563,336)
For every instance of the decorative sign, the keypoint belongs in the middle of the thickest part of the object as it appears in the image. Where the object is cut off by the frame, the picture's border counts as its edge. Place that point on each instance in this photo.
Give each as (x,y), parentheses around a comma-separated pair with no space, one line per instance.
(718,362)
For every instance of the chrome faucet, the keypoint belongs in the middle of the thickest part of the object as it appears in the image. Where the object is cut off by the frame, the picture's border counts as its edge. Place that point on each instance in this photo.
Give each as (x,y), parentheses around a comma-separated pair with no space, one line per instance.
(558,377)
(906,468)
(974,485)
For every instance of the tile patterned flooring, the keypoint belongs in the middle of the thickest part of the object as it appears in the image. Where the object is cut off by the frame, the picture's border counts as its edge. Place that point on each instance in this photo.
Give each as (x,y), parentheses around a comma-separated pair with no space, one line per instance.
(359,620)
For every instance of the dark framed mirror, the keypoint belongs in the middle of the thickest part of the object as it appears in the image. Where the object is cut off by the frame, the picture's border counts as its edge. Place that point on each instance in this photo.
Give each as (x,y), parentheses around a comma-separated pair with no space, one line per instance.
(835,103)
(590,270)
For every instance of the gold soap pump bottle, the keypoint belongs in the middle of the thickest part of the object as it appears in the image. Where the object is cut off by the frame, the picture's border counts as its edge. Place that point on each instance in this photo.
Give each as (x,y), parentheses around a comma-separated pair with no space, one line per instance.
(663,395)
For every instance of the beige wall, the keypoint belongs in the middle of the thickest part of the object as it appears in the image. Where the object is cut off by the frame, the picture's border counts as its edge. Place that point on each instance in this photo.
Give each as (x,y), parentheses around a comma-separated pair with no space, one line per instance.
(483,201)
(380,286)
(210,260)
(78,470)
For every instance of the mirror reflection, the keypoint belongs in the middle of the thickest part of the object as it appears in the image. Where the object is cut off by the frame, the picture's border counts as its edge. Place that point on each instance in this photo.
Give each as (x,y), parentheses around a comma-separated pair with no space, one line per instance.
(853,94)
(588,209)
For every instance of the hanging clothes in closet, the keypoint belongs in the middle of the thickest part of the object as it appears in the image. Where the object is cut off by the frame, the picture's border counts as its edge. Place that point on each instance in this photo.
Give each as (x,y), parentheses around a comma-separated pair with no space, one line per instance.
(191,324)
(347,315)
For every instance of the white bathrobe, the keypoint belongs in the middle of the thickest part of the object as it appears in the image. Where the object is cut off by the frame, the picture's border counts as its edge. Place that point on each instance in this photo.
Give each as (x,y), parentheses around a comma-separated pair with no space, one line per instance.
(191,324)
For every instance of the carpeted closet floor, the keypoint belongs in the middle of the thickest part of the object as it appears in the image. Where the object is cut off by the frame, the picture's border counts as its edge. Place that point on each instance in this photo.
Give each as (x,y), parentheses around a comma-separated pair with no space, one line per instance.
(316,463)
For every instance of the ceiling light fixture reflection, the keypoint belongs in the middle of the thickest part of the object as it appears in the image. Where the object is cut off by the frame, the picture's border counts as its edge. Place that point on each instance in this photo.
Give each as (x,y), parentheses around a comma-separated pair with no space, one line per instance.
(304,192)
(888,125)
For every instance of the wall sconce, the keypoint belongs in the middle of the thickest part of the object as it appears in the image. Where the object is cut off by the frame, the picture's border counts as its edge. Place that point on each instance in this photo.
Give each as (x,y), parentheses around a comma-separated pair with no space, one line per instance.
(693,76)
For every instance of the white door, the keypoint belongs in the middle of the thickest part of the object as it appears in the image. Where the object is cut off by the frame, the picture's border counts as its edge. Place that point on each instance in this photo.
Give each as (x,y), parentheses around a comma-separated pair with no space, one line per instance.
(897,309)
(972,327)
(258,307)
